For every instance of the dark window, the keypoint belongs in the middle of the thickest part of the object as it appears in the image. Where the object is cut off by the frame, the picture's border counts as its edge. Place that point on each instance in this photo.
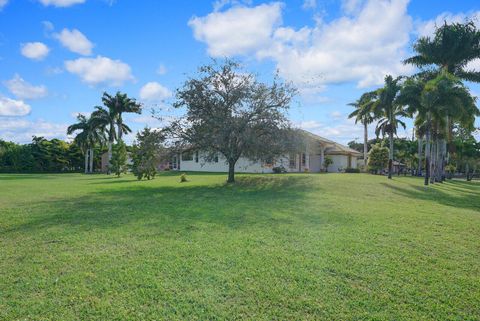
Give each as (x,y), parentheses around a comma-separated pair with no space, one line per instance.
(215,159)
(187,156)
(196,156)
(304,159)
(292,159)
(268,162)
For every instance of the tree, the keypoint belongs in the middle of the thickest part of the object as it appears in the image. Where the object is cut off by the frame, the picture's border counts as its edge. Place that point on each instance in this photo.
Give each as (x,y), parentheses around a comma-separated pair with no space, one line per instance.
(89,134)
(364,114)
(229,112)
(388,112)
(118,162)
(450,50)
(327,162)
(148,151)
(378,158)
(110,117)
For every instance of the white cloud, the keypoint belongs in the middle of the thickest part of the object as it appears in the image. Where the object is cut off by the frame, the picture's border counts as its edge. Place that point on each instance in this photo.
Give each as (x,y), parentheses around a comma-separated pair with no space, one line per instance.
(239,30)
(21,130)
(12,107)
(23,90)
(3,3)
(61,3)
(161,70)
(75,41)
(99,70)
(34,50)
(360,48)
(340,131)
(473,65)
(154,92)
(427,28)
(309,4)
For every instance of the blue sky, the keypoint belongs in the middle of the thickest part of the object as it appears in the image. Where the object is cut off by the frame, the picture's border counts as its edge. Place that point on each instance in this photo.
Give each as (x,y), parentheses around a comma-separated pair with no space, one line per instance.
(58,56)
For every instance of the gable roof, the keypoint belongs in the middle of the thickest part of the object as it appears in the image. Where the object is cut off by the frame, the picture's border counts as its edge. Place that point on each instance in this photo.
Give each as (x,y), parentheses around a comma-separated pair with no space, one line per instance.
(331,146)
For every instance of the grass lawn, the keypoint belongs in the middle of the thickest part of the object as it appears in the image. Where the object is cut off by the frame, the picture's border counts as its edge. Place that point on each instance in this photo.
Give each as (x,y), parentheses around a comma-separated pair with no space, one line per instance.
(286,247)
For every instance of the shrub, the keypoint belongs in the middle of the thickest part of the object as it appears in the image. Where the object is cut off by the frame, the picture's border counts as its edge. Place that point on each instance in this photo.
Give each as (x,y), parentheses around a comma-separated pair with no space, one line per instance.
(279,169)
(377,158)
(352,170)
(327,162)
(183,178)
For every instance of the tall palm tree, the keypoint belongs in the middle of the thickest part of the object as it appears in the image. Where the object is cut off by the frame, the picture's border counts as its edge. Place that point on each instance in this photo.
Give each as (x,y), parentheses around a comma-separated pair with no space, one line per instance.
(119,104)
(432,98)
(450,50)
(363,114)
(87,138)
(388,112)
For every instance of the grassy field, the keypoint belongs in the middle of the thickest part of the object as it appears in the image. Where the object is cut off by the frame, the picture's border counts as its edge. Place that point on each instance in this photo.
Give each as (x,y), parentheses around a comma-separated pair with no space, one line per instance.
(297,247)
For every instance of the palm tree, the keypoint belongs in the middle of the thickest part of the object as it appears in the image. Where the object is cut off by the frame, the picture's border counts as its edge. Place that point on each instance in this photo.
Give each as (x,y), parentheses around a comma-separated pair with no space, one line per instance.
(87,138)
(432,98)
(119,104)
(363,113)
(452,47)
(110,117)
(388,112)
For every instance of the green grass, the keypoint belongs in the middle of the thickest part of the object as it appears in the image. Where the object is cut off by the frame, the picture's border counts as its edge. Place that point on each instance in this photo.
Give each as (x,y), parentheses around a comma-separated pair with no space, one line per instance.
(286,247)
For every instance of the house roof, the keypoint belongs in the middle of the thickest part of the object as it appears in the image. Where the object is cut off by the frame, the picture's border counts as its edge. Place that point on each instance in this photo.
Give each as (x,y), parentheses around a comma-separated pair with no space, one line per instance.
(331,146)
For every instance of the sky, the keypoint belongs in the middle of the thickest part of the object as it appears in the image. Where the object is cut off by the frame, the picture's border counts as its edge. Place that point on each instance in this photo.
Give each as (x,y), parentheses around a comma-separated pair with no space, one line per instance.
(57,57)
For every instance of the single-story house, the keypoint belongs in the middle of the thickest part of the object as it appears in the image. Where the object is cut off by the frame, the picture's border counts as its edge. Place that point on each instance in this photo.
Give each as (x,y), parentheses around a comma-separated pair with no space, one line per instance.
(311,160)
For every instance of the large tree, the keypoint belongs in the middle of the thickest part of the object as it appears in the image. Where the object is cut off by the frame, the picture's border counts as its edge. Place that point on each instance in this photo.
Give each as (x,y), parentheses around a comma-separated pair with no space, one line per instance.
(230,112)
(88,135)
(110,117)
(389,114)
(363,113)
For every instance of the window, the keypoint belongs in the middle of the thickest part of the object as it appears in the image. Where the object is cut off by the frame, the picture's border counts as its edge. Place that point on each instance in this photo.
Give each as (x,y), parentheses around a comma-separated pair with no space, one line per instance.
(196,156)
(215,159)
(304,159)
(268,162)
(293,160)
(187,156)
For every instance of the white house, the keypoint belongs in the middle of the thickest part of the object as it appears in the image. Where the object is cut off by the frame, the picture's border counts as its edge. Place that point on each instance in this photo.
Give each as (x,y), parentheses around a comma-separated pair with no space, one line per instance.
(312,160)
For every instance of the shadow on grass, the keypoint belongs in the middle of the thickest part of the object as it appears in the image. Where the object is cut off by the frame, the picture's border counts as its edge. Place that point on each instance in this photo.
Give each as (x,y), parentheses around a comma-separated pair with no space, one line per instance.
(452,193)
(251,201)
(17,177)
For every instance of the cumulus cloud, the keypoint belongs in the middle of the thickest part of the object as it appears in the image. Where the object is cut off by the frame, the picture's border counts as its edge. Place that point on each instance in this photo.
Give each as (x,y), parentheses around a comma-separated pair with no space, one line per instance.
(24,90)
(154,92)
(100,70)
(427,28)
(61,3)
(75,41)
(34,50)
(21,130)
(309,4)
(239,30)
(362,47)
(12,107)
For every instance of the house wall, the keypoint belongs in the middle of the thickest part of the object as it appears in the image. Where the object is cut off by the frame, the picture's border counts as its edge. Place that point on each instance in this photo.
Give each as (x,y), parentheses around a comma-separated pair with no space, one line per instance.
(341,162)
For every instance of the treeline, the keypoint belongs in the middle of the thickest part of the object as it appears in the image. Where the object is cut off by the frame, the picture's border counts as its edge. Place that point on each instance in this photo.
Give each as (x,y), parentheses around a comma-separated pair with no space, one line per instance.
(42,156)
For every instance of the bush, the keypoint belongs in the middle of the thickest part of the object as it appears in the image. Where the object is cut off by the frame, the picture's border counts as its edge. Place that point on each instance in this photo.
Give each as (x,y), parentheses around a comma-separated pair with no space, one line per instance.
(183,178)
(279,170)
(352,170)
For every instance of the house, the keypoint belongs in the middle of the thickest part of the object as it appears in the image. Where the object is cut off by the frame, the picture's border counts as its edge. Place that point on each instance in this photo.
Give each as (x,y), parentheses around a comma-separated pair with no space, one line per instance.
(311,160)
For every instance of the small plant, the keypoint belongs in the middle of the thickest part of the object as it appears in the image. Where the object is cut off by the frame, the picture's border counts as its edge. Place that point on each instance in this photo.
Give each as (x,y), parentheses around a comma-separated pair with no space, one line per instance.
(352,170)
(327,162)
(279,170)
(183,178)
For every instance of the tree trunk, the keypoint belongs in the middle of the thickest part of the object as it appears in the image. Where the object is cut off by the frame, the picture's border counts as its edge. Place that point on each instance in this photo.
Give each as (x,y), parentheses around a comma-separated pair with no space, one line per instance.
(427,157)
(119,132)
(420,147)
(365,145)
(86,160)
(432,161)
(467,172)
(109,144)
(231,171)
(390,156)
(91,159)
